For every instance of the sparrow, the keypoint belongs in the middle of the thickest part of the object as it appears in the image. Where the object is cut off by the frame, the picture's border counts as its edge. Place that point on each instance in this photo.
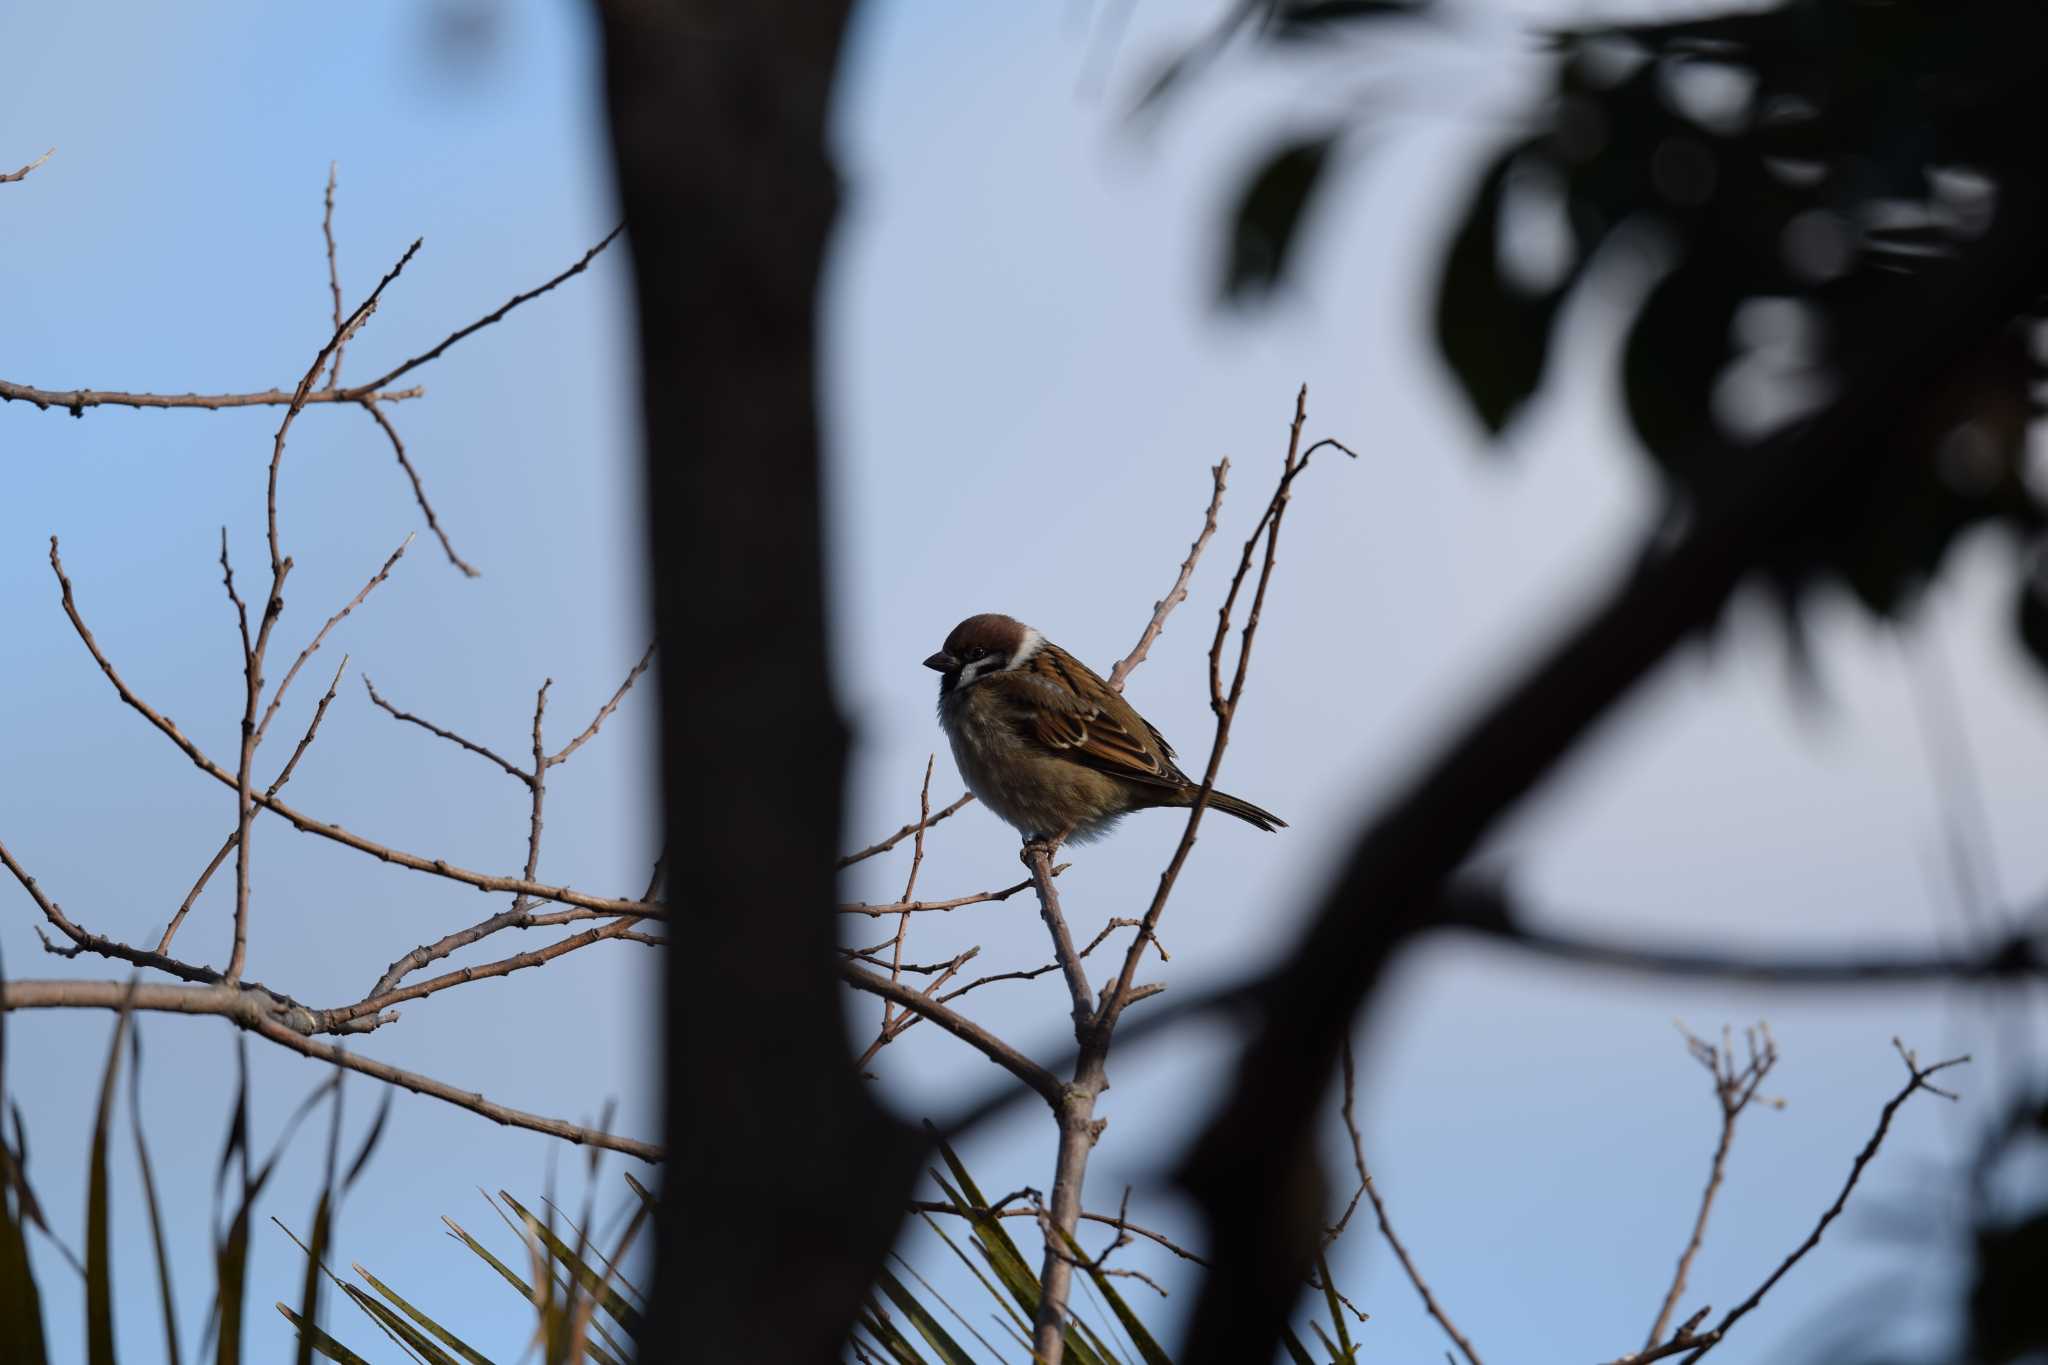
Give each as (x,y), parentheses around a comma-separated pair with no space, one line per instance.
(1050,747)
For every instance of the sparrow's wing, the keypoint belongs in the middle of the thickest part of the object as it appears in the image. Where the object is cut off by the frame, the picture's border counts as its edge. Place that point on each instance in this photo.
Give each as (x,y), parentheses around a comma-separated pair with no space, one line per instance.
(1057,704)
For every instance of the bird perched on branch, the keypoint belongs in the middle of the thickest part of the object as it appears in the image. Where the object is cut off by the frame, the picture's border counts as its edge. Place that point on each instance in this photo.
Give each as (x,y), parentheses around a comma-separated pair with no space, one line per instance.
(1050,747)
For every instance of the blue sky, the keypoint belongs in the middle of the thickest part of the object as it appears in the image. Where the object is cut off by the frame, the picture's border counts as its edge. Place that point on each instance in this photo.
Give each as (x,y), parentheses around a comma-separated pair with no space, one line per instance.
(1026,383)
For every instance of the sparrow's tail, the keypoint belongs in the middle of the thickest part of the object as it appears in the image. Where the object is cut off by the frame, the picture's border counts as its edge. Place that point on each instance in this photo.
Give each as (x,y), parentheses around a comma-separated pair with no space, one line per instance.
(1243,810)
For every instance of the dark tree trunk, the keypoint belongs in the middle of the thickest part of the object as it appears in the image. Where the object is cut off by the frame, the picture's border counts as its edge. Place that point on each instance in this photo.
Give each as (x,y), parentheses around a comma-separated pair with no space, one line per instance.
(785,1182)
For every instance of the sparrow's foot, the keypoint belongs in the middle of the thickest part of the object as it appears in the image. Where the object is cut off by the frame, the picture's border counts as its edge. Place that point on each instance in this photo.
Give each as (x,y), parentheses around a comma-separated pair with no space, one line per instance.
(1048,844)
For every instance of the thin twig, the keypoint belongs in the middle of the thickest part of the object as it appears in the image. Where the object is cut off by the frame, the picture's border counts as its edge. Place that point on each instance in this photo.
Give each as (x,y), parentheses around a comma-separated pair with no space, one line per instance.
(438,867)
(419,489)
(577,269)
(1118,996)
(1379,1208)
(76,401)
(966,1030)
(604,712)
(1916,1079)
(234,836)
(1734,1089)
(332,1020)
(249,1011)
(1179,591)
(920,907)
(479,750)
(23,173)
(924,815)
(320,636)
(872,850)
(333,271)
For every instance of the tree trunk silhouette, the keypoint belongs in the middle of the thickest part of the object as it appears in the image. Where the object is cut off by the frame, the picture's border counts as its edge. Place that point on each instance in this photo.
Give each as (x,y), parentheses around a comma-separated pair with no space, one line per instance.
(785,1182)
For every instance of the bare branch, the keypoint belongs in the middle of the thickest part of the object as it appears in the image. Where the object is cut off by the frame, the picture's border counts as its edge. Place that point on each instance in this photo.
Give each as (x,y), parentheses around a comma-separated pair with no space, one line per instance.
(1117,997)
(313,646)
(917,907)
(436,866)
(76,401)
(368,1008)
(234,836)
(1179,591)
(419,490)
(249,1010)
(1379,1208)
(1916,1079)
(604,712)
(10,177)
(449,735)
(966,1030)
(333,271)
(1734,1088)
(485,321)
(872,850)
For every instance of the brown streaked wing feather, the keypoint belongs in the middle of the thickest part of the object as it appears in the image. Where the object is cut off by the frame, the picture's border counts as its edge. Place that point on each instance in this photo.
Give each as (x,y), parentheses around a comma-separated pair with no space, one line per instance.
(1064,707)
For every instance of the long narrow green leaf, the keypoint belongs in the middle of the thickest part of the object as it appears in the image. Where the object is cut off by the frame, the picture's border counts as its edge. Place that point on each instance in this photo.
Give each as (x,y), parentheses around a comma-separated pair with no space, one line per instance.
(21,1308)
(309,1294)
(156,1222)
(615,1304)
(1133,1327)
(399,1327)
(525,1291)
(946,1303)
(1003,1255)
(1336,1309)
(1296,1352)
(1002,1300)
(99,1271)
(894,1342)
(321,1342)
(935,1336)
(448,1338)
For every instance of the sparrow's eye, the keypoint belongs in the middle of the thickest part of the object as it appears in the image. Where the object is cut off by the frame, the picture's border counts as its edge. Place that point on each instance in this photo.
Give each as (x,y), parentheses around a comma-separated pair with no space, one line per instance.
(974,654)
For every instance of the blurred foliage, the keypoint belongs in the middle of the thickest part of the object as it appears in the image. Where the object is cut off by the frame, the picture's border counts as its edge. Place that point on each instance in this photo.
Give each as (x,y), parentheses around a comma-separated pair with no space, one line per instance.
(1792,172)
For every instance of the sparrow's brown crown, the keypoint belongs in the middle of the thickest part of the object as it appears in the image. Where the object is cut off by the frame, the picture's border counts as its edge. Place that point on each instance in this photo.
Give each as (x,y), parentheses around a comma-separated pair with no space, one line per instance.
(978,637)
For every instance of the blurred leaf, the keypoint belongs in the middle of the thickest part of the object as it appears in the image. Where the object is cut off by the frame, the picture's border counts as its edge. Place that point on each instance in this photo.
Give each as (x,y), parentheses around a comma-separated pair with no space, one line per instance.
(1492,334)
(156,1222)
(1133,1328)
(622,1312)
(1320,20)
(928,1327)
(525,1291)
(399,1327)
(888,1338)
(1003,1300)
(2031,620)
(321,1342)
(1268,217)
(370,1140)
(99,1283)
(1676,349)
(448,1338)
(2006,1321)
(1336,1309)
(21,1308)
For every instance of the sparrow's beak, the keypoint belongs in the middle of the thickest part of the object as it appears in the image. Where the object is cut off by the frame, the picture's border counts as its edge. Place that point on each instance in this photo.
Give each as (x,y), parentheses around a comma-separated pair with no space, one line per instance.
(942,662)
